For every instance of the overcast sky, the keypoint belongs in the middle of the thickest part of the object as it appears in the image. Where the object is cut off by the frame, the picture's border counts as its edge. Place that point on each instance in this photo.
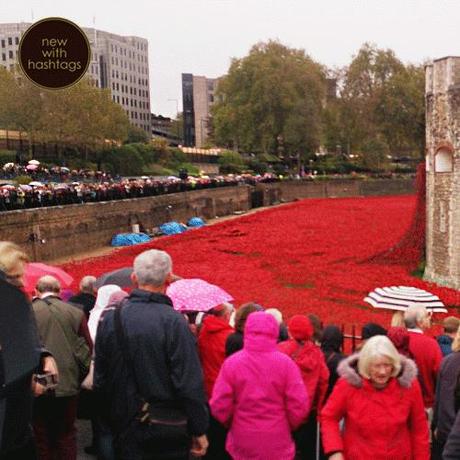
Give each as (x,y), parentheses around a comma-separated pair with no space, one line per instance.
(201,36)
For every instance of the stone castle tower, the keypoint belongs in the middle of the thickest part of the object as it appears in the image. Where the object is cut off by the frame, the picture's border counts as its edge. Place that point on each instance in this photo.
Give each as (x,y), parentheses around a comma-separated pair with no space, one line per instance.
(442,94)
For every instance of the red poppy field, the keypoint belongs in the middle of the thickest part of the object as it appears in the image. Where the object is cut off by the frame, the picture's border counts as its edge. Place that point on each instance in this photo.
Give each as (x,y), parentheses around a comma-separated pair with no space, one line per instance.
(310,256)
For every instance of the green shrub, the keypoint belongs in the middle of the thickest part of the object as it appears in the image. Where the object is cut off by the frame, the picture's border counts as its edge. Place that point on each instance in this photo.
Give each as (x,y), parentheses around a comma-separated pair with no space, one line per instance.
(231,158)
(23,180)
(155,169)
(124,160)
(7,156)
(191,169)
(258,167)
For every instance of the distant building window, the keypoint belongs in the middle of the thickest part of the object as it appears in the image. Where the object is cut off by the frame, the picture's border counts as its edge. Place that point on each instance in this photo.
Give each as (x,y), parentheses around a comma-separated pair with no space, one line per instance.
(118,87)
(3,57)
(16,40)
(3,43)
(10,54)
(443,161)
(113,86)
(10,41)
(118,99)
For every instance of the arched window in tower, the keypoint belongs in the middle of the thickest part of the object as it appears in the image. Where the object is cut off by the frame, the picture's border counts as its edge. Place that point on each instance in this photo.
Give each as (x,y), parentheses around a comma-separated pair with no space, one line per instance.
(443,160)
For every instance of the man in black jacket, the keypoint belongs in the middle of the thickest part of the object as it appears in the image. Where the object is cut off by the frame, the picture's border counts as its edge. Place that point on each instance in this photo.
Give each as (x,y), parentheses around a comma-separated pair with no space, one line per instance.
(163,368)
(86,298)
(21,355)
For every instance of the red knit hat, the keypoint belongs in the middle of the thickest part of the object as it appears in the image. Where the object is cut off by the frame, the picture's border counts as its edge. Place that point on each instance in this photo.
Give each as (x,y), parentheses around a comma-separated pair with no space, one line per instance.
(300,328)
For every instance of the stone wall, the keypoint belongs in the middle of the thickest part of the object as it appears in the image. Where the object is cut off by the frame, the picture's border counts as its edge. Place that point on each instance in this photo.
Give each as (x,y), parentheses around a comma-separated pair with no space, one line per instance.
(443,171)
(294,190)
(49,233)
(53,232)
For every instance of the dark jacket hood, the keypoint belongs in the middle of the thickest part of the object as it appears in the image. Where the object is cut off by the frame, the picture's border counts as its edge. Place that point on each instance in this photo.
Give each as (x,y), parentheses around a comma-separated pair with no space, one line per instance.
(445,340)
(348,369)
(331,339)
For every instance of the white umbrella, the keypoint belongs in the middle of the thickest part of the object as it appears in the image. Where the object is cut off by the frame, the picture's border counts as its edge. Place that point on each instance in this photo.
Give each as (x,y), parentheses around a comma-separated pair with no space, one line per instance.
(401,297)
(31,167)
(8,166)
(35,184)
(64,169)
(34,162)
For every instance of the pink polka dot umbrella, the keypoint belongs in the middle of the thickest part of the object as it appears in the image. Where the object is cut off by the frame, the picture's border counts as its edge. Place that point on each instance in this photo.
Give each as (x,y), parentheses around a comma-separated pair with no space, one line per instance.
(196,295)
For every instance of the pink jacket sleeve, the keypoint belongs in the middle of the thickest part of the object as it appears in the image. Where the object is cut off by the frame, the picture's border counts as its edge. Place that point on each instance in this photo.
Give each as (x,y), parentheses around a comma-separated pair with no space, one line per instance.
(418,425)
(331,415)
(222,400)
(297,402)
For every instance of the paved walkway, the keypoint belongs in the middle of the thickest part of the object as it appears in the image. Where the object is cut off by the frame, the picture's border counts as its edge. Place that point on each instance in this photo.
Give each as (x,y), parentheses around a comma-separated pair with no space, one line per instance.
(83,439)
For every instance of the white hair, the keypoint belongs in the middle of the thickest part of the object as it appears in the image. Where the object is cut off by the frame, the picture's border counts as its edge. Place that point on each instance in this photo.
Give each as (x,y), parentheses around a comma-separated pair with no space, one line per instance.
(276,314)
(414,315)
(87,284)
(152,267)
(48,283)
(377,347)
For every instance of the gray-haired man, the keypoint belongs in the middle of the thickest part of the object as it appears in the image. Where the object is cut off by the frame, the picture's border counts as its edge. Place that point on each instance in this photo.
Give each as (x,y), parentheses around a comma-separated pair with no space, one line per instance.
(148,353)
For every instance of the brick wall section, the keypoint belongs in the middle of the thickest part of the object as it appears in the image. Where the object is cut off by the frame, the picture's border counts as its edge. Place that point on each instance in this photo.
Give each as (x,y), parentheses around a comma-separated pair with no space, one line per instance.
(443,188)
(72,229)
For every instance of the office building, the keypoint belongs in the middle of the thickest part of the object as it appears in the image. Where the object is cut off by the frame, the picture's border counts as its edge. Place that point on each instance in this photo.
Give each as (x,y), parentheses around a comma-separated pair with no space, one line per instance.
(197,98)
(119,63)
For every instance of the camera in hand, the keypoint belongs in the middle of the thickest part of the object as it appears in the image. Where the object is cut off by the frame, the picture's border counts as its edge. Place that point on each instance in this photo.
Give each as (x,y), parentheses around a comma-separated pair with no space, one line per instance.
(49,381)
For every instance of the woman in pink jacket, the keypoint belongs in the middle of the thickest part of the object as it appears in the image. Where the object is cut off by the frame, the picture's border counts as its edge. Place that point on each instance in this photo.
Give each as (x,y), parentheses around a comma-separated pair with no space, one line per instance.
(259,394)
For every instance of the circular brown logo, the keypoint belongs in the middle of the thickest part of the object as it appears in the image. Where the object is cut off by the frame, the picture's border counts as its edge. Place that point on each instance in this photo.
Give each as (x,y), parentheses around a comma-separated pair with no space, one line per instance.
(54,53)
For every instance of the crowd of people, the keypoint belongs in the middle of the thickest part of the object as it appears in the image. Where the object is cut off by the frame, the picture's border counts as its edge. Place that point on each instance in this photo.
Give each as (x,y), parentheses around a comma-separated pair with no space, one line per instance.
(227,384)
(41,194)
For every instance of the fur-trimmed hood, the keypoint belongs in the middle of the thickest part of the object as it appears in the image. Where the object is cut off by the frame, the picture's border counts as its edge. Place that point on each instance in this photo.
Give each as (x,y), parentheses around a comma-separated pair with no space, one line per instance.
(348,369)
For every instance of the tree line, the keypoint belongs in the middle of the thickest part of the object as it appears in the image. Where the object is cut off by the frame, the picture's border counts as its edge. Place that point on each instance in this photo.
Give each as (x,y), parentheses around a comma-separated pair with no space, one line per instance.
(81,116)
(278,100)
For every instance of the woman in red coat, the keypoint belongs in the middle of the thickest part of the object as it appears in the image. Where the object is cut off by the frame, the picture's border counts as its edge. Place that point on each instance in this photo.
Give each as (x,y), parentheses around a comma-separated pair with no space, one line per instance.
(380,400)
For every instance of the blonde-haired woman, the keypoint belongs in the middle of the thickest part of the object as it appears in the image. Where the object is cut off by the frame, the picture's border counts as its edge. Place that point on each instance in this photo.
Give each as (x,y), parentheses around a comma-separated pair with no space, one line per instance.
(445,404)
(379,398)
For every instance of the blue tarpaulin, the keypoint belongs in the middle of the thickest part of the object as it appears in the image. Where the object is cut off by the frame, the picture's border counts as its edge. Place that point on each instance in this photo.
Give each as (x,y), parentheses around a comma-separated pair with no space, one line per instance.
(196,222)
(172,228)
(128,239)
